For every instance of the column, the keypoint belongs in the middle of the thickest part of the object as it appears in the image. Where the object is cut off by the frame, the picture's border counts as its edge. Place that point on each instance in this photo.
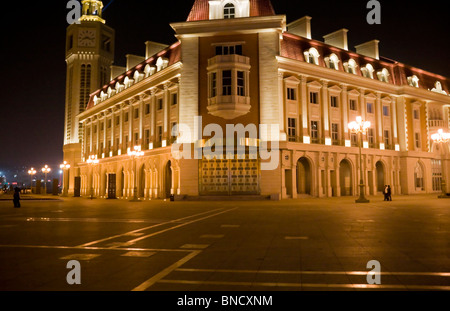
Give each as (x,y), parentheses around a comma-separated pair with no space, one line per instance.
(281,108)
(304,103)
(113,133)
(394,121)
(379,125)
(362,102)
(294,182)
(401,102)
(141,119)
(166,97)
(344,104)
(326,109)
(121,133)
(153,112)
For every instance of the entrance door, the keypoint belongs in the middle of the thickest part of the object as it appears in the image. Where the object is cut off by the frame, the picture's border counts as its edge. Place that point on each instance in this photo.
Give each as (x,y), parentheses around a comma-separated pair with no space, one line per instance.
(77,187)
(112,186)
(380,177)
(168,180)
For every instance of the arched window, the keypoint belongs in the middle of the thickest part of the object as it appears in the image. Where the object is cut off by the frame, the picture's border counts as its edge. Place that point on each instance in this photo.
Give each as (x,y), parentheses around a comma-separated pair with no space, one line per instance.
(413,81)
(368,71)
(383,75)
(351,66)
(229,11)
(418,176)
(332,62)
(312,56)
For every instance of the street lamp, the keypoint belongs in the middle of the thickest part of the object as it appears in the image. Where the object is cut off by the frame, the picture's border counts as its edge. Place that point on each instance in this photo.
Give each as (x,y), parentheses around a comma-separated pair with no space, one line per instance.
(135,154)
(31,172)
(92,161)
(46,170)
(442,138)
(65,168)
(360,127)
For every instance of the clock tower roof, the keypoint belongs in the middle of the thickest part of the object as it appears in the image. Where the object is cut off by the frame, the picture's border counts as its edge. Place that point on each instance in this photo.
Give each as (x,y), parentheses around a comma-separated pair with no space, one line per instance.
(92,11)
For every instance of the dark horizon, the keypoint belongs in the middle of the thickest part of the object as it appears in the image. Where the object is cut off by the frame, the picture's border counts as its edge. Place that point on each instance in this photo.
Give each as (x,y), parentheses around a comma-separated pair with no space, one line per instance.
(33,77)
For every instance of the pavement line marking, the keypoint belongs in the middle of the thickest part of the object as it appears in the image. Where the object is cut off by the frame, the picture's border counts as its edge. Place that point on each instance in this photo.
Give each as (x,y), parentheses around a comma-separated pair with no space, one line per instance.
(94,248)
(310,285)
(356,273)
(195,246)
(156,278)
(212,236)
(146,228)
(82,257)
(138,254)
(179,226)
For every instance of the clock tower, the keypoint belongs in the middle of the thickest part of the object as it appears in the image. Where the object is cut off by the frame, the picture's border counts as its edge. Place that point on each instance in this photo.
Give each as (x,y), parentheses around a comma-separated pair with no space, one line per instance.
(89,56)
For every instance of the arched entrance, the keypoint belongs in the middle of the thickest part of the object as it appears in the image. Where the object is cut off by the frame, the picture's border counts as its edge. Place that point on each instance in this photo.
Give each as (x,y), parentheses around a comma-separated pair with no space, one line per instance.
(304,179)
(142,177)
(345,175)
(380,176)
(168,180)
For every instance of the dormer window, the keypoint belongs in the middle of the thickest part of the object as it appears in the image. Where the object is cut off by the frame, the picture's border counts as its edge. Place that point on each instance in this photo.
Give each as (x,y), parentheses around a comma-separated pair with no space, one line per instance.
(332,62)
(383,75)
(229,11)
(368,71)
(413,81)
(312,56)
(351,66)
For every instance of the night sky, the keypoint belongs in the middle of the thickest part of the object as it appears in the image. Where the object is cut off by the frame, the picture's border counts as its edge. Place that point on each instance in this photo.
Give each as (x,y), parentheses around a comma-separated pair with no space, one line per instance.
(33,56)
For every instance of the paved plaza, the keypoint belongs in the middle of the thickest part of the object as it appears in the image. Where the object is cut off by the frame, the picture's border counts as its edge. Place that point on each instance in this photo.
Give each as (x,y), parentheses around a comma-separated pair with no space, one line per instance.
(293,245)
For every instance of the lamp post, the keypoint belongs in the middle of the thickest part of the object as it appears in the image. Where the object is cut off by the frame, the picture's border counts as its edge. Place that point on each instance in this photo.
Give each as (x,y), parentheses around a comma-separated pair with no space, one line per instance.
(135,154)
(92,161)
(31,172)
(46,170)
(442,138)
(65,168)
(360,127)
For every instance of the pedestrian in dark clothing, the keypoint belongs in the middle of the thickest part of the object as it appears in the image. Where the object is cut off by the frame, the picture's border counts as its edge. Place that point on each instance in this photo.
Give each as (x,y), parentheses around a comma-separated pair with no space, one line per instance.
(389,193)
(385,192)
(16,199)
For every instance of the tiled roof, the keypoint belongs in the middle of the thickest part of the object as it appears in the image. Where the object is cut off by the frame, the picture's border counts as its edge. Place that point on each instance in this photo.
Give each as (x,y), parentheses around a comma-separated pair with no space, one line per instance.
(293,47)
(200,9)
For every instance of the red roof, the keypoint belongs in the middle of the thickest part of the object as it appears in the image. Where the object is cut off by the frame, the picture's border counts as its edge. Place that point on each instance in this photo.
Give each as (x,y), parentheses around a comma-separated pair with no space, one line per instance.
(200,9)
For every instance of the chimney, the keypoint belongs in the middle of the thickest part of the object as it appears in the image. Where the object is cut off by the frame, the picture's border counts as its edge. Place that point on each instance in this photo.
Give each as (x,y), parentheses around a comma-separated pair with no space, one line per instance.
(133,60)
(338,39)
(301,27)
(117,71)
(369,49)
(153,48)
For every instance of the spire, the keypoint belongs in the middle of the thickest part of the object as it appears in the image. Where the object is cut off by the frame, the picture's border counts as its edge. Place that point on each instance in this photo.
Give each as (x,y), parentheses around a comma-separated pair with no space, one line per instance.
(92,11)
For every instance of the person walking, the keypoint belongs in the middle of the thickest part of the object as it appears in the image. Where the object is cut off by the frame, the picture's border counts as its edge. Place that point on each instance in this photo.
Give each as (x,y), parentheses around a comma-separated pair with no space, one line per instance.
(389,193)
(385,192)
(16,199)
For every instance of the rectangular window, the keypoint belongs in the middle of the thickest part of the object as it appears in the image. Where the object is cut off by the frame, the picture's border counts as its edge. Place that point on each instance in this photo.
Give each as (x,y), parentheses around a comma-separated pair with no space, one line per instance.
(102,126)
(109,148)
(387,139)
(136,113)
(371,138)
(436,172)
(147,109)
(335,133)
(315,132)
(136,139)
(147,139)
(109,123)
(416,114)
(126,117)
(354,139)
(226,83)
(417,140)
(292,129)
(229,49)
(160,133)
(117,121)
(334,102)
(240,83)
(353,105)
(313,98)
(369,108)
(386,111)
(160,104)
(174,99)
(213,84)
(95,129)
(174,130)
(291,94)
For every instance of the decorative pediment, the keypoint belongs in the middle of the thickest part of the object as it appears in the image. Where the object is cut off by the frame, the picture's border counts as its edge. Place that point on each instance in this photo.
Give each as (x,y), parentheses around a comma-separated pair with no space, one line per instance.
(353,92)
(292,80)
(314,85)
(334,89)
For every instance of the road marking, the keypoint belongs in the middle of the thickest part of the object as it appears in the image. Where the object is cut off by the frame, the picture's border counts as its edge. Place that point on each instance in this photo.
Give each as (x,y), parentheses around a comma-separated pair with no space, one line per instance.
(309,285)
(82,257)
(355,273)
(93,248)
(150,282)
(195,246)
(296,238)
(179,226)
(212,236)
(146,228)
(139,254)
(118,244)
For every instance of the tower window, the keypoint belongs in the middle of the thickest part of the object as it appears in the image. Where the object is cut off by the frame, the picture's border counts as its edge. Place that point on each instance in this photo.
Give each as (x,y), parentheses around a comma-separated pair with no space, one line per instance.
(240,83)
(229,11)
(226,82)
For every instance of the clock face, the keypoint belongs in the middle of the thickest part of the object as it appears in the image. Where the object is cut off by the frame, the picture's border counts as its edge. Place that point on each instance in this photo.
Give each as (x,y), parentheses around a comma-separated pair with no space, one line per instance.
(86,38)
